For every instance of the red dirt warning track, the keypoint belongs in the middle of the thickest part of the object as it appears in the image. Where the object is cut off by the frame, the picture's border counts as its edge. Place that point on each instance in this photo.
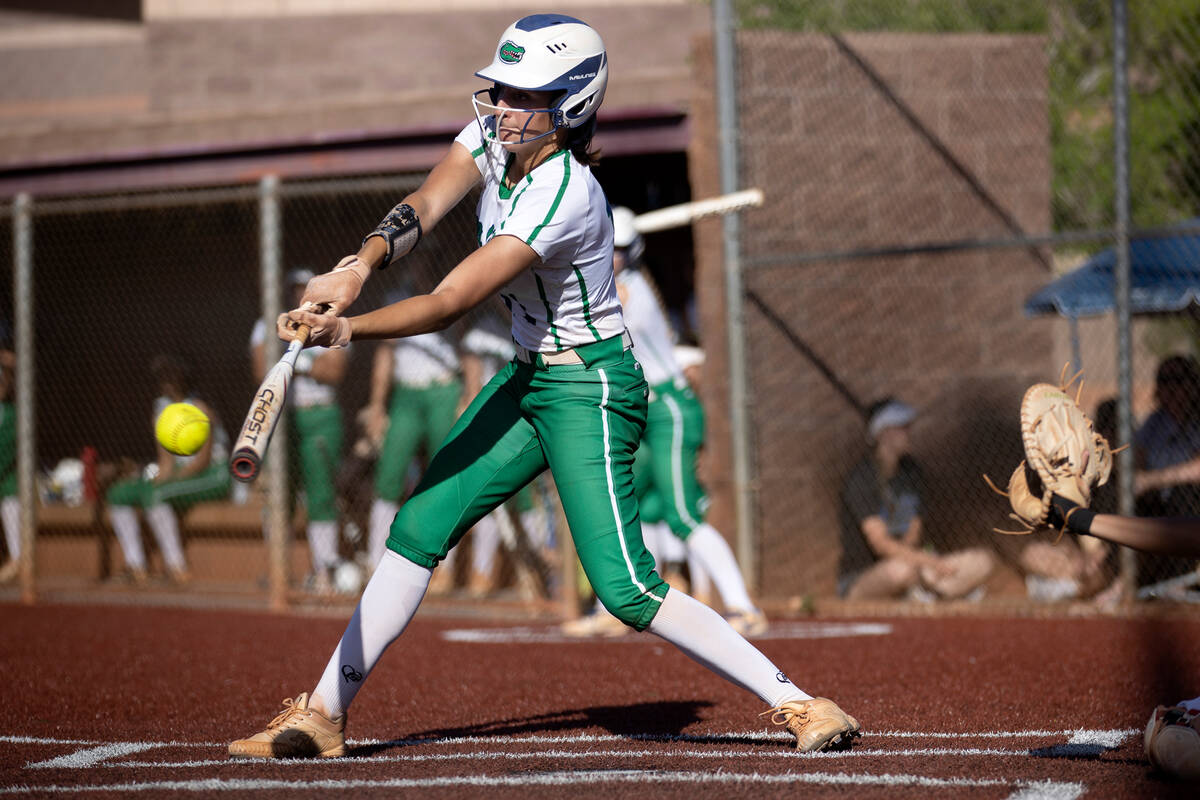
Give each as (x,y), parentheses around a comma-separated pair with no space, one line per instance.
(117,700)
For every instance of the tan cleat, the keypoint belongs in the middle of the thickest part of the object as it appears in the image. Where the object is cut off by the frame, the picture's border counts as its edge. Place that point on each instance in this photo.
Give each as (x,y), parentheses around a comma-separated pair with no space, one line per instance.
(598,624)
(817,724)
(298,732)
(748,623)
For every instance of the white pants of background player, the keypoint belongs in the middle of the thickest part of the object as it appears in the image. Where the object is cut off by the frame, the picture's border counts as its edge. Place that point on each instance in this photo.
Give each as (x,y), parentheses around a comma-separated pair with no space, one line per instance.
(162,520)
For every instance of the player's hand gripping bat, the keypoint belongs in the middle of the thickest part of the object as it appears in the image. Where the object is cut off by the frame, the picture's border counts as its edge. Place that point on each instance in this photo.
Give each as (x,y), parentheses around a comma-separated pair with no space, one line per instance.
(251,445)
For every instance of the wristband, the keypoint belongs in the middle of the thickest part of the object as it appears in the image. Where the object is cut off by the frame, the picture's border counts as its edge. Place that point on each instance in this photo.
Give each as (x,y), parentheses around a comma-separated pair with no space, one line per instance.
(1065,514)
(400,230)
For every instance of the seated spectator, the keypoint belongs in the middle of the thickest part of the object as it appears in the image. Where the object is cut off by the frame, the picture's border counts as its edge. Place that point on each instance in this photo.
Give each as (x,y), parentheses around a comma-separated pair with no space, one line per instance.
(172,483)
(1166,449)
(882,552)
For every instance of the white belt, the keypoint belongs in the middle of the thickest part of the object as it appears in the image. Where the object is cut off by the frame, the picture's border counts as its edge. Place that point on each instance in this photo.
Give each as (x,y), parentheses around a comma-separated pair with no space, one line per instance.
(563,356)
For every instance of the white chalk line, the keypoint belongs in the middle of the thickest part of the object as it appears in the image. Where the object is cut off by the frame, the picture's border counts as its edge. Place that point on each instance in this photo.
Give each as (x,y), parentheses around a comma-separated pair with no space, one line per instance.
(1109,738)
(507,755)
(101,754)
(1106,738)
(1025,790)
(553,635)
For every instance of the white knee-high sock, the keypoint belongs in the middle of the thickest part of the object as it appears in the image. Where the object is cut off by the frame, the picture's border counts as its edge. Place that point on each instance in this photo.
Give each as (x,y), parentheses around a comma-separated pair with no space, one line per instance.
(388,603)
(162,520)
(653,542)
(322,544)
(125,524)
(672,548)
(700,584)
(383,512)
(10,512)
(705,637)
(485,538)
(711,549)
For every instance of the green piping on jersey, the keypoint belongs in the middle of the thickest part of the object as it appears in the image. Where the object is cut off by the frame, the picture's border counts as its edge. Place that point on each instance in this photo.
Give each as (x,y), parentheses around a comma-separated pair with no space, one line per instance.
(549,312)
(505,192)
(587,306)
(562,190)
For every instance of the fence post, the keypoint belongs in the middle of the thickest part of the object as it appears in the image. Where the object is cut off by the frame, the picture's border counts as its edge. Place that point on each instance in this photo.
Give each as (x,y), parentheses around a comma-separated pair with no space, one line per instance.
(26,400)
(727,127)
(1128,566)
(275,466)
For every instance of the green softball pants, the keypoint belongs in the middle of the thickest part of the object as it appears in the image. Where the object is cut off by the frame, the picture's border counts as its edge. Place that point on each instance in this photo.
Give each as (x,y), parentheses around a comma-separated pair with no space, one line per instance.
(318,440)
(674,435)
(416,417)
(209,484)
(583,423)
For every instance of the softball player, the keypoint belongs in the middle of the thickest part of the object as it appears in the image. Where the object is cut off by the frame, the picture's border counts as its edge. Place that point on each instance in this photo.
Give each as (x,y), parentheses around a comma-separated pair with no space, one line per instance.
(181,481)
(416,384)
(572,401)
(315,426)
(674,434)
(10,506)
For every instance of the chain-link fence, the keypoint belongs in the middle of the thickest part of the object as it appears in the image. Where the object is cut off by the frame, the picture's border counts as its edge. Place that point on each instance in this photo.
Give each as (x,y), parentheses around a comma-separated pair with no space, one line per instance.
(930,167)
(138,293)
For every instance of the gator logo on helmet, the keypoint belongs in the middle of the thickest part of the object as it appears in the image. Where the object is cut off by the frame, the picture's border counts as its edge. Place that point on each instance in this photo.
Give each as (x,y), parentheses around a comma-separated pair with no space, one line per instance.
(511,53)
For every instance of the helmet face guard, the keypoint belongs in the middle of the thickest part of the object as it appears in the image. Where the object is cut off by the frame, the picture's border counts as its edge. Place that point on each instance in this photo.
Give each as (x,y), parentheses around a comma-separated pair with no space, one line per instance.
(488,114)
(550,53)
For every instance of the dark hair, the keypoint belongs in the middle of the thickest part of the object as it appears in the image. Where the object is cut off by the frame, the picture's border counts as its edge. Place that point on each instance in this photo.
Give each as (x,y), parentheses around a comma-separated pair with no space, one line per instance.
(579,142)
(1178,369)
(1105,419)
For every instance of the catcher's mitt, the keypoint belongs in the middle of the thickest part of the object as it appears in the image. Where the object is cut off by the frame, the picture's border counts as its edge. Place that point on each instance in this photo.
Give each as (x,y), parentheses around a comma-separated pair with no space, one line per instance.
(1064,456)
(1172,742)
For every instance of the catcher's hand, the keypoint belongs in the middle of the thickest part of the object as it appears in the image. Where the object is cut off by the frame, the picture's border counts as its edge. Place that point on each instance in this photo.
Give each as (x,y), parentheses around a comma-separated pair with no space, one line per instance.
(1065,458)
(1172,742)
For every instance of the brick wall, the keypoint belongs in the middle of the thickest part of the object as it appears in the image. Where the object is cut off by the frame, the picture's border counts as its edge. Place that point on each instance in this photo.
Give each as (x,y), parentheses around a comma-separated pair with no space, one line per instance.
(877,141)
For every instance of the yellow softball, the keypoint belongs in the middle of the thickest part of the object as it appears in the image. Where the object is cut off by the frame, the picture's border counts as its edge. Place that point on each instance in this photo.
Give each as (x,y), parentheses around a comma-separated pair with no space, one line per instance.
(181,428)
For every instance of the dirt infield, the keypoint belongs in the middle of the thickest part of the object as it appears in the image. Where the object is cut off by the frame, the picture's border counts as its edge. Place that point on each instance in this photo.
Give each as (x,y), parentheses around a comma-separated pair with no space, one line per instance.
(114,701)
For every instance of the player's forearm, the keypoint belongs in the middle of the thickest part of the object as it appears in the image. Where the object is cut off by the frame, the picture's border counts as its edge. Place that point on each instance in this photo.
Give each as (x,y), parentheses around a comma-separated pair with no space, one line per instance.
(424,313)
(1179,537)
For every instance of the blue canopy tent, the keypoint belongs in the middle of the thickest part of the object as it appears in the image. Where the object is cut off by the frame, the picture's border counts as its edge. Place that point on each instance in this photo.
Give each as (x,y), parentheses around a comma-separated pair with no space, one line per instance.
(1164,278)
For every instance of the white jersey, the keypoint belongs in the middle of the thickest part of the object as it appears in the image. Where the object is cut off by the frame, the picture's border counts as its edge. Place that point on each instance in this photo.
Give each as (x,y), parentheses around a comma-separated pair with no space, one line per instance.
(559,210)
(653,339)
(490,344)
(305,391)
(423,360)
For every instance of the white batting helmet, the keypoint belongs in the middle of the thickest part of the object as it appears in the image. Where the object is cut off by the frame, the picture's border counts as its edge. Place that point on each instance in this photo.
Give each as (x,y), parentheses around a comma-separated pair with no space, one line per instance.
(553,53)
(625,235)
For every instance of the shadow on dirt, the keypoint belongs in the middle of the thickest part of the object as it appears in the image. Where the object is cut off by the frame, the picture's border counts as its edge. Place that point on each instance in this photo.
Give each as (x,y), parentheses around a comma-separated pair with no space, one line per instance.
(636,721)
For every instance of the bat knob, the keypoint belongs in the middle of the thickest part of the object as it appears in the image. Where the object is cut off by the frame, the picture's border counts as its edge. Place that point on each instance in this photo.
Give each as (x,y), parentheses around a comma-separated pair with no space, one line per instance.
(244,466)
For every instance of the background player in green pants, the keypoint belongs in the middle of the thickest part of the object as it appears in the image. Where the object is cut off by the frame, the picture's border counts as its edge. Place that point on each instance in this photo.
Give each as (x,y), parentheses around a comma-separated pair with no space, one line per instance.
(572,401)
(180,482)
(674,432)
(10,506)
(315,433)
(416,386)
